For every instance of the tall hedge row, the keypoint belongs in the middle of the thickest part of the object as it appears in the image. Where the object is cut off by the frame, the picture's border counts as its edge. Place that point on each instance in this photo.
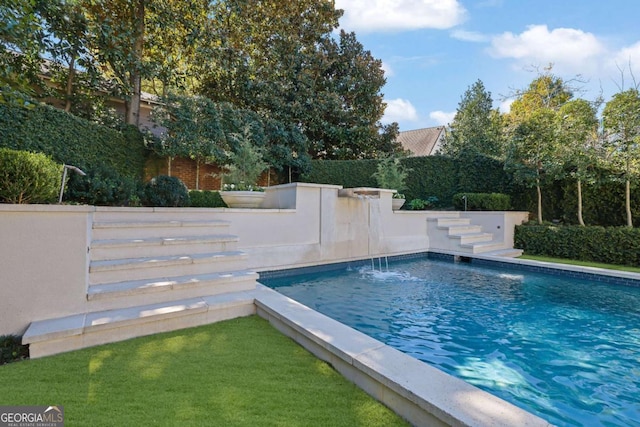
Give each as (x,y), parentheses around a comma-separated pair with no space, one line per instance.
(611,245)
(72,140)
(437,176)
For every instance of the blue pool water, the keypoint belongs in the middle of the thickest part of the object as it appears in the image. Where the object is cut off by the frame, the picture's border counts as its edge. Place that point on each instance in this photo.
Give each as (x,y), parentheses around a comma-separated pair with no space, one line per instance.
(567,350)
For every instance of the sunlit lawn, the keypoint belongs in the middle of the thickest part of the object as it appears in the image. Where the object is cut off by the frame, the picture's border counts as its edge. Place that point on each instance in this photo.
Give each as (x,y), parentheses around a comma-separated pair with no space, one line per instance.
(581,263)
(240,372)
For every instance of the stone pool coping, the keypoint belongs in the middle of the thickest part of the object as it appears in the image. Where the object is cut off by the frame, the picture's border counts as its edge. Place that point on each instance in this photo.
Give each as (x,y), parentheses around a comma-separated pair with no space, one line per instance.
(421,394)
(418,392)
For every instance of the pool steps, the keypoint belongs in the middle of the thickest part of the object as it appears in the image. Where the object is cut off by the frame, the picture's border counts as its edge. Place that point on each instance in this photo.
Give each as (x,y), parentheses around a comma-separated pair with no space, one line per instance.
(465,237)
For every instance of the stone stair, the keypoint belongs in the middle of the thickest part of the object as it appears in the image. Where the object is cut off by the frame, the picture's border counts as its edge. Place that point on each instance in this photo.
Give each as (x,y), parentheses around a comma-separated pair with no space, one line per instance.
(151,275)
(456,234)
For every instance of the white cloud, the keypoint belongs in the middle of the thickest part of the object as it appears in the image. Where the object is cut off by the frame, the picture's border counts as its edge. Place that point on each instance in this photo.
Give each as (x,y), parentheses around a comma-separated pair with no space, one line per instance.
(505,106)
(388,71)
(399,110)
(627,62)
(570,50)
(442,117)
(470,36)
(399,15)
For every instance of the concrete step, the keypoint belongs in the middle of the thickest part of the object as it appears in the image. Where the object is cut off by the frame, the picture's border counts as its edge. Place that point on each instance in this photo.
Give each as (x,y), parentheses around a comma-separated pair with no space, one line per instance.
(135,292)
(472,238)
(449,222)
(59,335)
(109,249)
(105,230)
(459,230)
(119,270)
(483,247)
(505,253)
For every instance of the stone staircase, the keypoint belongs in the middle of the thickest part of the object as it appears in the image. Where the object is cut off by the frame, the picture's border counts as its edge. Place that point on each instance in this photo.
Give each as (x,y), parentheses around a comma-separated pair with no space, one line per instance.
(450,232)
(151,275)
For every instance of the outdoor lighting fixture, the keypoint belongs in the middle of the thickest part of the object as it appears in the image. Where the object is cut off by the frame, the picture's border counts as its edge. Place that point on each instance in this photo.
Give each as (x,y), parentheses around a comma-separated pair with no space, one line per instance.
(64,177)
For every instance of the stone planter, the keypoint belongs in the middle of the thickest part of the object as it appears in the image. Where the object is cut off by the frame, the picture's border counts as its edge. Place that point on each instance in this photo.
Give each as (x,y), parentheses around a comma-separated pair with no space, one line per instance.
(397,203)
(243,199)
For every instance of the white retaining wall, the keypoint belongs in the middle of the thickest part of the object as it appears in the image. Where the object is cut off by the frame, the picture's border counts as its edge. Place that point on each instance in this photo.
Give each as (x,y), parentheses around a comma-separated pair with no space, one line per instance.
(44,249)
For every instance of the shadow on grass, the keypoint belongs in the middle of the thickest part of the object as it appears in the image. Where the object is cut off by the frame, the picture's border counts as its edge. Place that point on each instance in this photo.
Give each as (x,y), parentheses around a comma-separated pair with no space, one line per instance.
(235,373)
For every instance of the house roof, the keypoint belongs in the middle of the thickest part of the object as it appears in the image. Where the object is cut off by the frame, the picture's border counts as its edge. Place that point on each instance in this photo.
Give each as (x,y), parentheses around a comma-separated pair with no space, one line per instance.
(421,142)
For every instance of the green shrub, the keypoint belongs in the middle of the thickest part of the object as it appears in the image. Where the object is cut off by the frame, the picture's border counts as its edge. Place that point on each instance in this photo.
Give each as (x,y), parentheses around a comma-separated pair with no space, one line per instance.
(205,199)
(420,204)
(28,177)
(482,201)
(165,191)
(391,174)
(12,350)
(103,186)
(72,140)
(610,245)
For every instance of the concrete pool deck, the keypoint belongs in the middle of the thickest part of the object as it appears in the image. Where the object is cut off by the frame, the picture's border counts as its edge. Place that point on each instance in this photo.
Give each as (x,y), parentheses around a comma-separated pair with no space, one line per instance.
(421,394)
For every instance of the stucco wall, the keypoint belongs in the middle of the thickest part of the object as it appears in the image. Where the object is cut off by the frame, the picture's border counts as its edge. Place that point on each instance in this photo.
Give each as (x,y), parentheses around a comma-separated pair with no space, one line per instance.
(44,248)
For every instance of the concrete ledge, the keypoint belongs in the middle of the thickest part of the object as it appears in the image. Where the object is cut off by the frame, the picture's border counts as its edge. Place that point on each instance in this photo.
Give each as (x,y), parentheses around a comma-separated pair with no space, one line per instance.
(47,337)
(421,394)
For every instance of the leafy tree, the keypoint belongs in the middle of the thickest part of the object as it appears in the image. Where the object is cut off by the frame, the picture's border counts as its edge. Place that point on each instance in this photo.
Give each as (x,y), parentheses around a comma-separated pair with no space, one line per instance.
(621,118)
(476,126)
(21,41)
(532,153)
(578,135)
(194,130)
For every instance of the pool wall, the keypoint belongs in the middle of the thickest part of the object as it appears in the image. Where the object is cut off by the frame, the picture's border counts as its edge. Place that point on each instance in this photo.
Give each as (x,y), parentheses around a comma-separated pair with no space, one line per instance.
(423,395)
(46,250)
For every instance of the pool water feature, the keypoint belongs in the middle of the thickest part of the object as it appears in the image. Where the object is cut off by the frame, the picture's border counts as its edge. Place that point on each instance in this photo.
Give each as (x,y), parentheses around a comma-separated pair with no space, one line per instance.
(566,350)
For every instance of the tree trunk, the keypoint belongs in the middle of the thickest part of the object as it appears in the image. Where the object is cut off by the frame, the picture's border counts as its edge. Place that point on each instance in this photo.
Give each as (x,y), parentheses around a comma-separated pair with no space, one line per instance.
(580,220)
(627,195)
(539,201)
(169,165)
(70,76)
(197,174)
(132,106)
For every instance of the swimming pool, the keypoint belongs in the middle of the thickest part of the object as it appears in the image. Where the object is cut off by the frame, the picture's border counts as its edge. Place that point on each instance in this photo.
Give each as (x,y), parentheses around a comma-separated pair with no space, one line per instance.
(567,350)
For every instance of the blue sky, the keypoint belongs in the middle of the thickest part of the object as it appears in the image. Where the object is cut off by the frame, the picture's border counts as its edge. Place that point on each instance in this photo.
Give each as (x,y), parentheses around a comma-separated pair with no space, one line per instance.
(433,50)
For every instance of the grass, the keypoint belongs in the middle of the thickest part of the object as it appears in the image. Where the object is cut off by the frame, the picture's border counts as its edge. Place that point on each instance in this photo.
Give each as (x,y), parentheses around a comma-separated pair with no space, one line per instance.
(581,263)
(240,372)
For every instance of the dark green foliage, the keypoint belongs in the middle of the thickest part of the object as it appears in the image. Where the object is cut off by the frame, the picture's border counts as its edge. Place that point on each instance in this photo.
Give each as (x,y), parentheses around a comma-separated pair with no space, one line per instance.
(165,191)
(348,173)
(11,349)
(103,186)
(71,140)
(482,201)
(420,204)
(28,177)
(610,245)
(205,199)
(482,174)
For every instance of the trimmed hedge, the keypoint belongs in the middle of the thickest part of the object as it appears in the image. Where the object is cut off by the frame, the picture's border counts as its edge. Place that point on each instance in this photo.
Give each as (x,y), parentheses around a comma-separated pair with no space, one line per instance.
(72,140)
(482,201)
(610,245)
(28,177)
(205,199)
(165,191)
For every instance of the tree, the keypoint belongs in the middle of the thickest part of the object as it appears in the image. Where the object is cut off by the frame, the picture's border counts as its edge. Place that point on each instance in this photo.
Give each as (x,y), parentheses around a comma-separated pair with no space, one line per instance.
(578,135)
(21,42)
(532,153)
(194,130)
(621,118)
(476,126)
(281,59)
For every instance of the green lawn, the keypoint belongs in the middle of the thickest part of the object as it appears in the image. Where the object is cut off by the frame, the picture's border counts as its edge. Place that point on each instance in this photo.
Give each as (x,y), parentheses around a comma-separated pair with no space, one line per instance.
(241,372)
(582,263)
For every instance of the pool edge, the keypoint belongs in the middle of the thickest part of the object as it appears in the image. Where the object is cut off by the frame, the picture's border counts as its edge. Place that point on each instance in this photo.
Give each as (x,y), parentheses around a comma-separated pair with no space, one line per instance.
(418,392)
